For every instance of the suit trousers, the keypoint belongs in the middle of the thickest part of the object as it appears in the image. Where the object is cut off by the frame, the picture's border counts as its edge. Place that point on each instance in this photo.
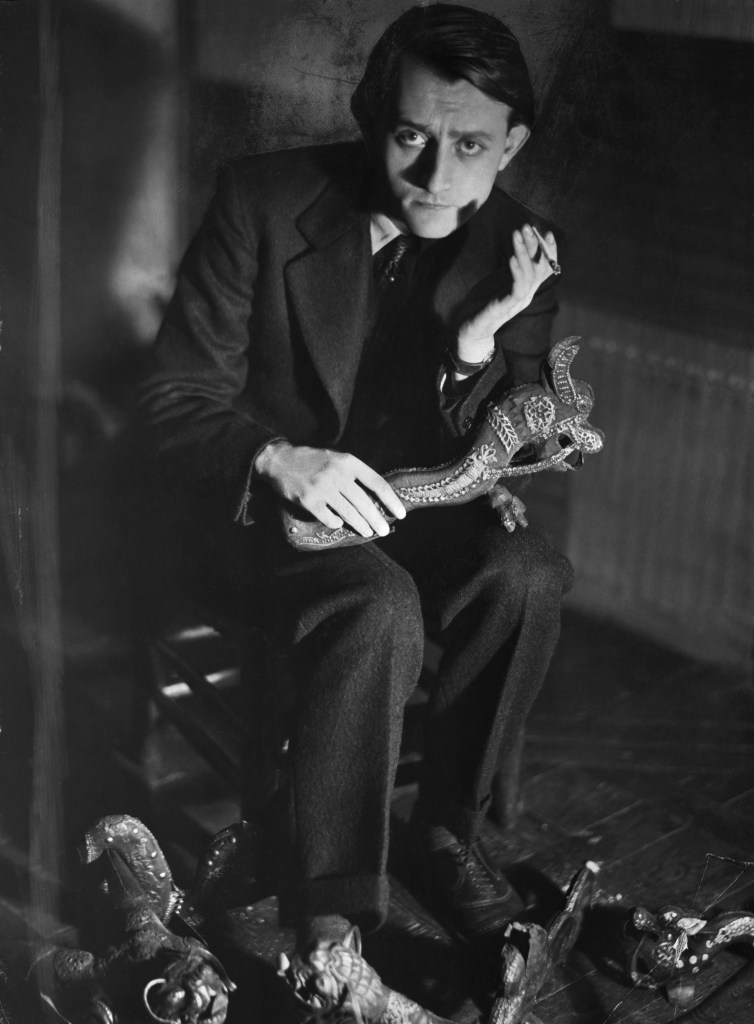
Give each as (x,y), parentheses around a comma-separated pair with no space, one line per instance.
(354,620)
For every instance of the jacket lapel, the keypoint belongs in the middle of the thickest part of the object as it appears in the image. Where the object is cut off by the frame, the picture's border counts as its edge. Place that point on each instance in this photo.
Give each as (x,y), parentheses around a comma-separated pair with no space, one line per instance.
(330,287)
(330,284)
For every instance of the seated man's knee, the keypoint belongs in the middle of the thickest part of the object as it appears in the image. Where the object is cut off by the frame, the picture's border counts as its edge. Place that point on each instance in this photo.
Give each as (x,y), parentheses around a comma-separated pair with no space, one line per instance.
(390,598)
(390,621)
(528,567)
(552,577)
(550,572)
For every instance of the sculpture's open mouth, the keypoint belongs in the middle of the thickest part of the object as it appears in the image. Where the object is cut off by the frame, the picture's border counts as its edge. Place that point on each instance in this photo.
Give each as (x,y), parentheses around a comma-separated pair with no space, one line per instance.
(573,457)
(561,453)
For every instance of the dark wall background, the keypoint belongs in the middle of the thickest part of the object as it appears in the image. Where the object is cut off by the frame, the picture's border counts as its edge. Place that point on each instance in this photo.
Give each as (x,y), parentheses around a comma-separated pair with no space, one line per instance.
(642,152)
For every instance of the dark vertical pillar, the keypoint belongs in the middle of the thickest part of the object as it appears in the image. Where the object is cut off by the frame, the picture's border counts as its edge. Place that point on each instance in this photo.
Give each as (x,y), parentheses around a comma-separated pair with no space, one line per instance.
(44,628)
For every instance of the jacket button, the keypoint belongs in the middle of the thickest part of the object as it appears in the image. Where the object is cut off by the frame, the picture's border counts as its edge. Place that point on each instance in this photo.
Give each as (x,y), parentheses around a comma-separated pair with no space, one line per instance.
(467,423)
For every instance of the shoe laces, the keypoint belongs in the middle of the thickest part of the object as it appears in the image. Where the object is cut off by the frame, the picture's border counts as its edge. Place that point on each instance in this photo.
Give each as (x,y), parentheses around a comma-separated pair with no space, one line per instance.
(470,856)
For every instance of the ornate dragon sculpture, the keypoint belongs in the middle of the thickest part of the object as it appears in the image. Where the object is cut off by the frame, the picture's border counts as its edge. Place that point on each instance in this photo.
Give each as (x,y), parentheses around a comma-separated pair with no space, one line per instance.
(530,951)
(335,982)
(672,947)
(139,968)
(531,428)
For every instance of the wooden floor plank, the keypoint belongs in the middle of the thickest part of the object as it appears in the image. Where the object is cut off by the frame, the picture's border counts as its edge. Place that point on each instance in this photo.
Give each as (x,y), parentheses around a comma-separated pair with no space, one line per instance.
(604,751)
(673,869)
(595,999)
(574,799)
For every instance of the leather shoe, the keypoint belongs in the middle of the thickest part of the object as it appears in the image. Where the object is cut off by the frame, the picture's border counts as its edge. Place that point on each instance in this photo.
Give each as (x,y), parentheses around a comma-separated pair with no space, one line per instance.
(476,899)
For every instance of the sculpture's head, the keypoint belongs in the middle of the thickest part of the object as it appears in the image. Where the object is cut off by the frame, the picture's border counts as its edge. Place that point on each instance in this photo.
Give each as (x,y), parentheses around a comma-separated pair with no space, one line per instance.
(544,425)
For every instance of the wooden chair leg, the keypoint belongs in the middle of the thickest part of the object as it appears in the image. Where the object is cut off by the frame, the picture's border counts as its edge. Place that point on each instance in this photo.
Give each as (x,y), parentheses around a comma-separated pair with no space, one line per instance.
(149,675)
(507,802)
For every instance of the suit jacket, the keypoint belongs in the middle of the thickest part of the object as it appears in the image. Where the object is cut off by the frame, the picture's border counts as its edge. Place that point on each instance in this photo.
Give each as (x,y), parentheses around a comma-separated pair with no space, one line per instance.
(265,331)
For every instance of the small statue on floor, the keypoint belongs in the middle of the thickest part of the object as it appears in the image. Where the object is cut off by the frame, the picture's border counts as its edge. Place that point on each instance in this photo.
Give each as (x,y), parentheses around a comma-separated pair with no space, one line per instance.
(530,951)
(335,982)
(673,946)
(139,968)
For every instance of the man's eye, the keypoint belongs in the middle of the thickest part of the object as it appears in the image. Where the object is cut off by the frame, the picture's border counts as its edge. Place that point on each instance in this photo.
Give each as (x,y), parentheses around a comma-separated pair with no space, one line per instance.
(410,138)
(469,147)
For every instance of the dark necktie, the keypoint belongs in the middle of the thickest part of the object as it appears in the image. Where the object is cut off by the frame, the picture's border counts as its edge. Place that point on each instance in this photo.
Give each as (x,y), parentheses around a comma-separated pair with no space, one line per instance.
(392,267)
(391,256)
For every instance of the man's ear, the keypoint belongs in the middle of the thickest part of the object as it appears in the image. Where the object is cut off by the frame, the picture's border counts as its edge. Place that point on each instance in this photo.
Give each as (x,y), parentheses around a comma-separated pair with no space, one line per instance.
(517,136)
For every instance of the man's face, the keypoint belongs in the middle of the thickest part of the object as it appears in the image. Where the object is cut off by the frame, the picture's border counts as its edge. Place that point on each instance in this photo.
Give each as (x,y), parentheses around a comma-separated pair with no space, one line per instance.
(442,144)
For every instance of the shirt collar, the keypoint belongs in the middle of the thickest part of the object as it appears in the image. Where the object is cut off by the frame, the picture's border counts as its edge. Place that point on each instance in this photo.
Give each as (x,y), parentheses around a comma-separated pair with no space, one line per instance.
(383,230)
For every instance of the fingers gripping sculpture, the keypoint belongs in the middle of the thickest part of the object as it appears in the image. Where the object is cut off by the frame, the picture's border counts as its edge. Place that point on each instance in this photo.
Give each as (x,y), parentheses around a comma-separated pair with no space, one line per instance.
(531,428)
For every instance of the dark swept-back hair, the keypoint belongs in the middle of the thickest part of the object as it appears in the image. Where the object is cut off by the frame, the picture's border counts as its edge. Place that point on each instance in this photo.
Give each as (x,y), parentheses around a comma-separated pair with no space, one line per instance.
(456,42)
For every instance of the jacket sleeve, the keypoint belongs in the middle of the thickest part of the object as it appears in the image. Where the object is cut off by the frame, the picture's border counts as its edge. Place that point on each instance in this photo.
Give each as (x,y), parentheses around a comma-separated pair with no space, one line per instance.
(201,442)
(520,346)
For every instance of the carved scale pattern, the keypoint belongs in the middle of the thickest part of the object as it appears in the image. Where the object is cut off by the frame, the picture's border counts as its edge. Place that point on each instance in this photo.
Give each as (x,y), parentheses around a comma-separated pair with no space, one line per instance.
(742,926)
(399,1010)
(584,437)
(337,977)
(503,428)
(325,537)
(526,469)
(561,357)
(539,412)
(478,465)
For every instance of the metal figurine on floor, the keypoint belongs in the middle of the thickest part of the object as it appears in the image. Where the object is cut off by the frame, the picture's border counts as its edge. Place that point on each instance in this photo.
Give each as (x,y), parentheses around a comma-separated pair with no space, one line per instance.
(140,968)
(335,982)
(531,951)
(673,946)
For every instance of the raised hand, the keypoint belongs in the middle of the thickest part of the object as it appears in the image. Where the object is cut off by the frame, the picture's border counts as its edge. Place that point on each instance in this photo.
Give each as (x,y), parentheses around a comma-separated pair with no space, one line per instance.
(334,487)
(533,261)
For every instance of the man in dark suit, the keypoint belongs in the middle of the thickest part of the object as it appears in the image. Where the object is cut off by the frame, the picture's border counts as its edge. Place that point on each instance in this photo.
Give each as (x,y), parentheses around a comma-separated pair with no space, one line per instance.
(345,310)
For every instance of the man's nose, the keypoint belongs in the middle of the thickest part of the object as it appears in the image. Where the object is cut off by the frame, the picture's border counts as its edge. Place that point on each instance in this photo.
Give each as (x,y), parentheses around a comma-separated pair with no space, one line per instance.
(438,171)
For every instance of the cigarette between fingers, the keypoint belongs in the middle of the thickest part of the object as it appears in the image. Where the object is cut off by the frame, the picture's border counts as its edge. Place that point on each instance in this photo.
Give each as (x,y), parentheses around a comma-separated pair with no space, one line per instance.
(554,265)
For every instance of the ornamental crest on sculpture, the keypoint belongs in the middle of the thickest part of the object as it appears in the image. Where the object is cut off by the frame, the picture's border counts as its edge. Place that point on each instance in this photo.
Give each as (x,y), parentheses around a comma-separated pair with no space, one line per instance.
(539,413)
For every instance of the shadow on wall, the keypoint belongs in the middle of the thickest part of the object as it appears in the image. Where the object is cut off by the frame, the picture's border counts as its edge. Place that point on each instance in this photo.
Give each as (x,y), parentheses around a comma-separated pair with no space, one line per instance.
(120,245)
(118,81)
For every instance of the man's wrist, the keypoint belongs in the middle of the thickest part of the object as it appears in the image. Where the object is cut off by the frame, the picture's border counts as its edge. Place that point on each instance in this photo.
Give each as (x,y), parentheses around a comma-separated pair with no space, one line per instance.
(472,359)
(264,460)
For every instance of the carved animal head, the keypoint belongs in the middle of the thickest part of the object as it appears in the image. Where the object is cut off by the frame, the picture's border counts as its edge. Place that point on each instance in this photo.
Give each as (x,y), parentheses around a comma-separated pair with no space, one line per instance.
(194,989)
(544,425)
